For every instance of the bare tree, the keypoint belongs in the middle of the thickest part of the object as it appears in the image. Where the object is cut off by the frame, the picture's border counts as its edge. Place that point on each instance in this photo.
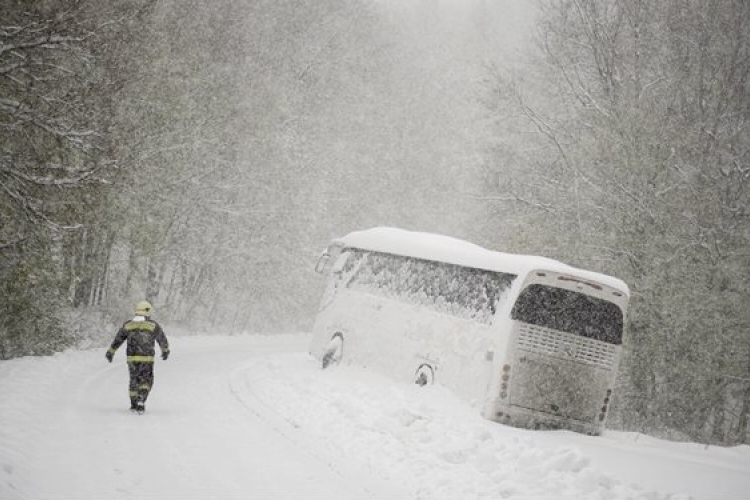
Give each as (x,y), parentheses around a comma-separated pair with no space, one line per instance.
(55,166)
(49,142)
(639,114)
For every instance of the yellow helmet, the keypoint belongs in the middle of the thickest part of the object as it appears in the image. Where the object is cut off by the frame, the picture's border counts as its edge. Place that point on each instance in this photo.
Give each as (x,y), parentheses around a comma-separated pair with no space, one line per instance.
(143,308)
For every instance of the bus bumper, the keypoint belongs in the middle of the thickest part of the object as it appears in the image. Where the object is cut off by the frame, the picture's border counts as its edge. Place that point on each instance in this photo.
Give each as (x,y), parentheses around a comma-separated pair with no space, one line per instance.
(524,418)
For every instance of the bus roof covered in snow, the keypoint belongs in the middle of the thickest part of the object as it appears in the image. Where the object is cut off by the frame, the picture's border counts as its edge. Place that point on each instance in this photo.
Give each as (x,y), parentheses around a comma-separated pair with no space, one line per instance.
(441,248)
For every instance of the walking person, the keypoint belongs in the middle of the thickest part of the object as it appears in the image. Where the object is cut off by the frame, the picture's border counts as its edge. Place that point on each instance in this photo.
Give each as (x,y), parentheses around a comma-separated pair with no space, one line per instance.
(142,333)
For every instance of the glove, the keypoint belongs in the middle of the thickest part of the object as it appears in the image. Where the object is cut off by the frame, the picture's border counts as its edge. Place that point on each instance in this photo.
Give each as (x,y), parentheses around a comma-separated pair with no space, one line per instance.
(164,355)
(109,355)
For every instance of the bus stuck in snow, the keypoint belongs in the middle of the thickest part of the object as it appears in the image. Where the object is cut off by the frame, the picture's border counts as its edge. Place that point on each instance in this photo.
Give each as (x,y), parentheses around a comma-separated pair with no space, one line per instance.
(529,341)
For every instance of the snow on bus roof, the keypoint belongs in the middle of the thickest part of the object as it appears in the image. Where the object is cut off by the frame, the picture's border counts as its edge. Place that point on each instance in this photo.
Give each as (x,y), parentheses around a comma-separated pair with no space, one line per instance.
(441,248)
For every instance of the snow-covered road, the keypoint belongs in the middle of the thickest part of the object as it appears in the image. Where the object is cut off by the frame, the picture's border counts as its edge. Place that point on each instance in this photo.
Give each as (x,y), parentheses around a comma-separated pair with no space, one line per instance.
(66,431)
(253,417)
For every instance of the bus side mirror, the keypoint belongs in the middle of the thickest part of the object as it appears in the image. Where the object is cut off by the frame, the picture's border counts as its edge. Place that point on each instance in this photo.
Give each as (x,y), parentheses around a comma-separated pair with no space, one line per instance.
(322,262)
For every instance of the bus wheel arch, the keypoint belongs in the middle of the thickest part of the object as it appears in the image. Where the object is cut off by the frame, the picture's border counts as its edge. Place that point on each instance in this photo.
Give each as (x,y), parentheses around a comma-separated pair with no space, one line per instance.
(334,351)
(425,375)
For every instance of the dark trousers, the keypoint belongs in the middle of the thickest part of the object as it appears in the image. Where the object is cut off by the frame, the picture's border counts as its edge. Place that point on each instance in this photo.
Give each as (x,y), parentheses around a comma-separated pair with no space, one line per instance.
(141,381)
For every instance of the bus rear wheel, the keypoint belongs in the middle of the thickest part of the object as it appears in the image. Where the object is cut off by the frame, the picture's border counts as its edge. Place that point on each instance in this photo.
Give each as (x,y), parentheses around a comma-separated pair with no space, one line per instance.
(334,351)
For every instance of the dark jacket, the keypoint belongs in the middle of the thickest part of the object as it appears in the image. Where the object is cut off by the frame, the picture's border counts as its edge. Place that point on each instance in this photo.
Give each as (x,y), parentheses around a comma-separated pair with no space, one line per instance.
(141,336)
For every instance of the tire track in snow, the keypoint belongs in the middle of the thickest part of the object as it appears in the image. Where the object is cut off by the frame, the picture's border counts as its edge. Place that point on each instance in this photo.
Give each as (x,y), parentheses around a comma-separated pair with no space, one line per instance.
(243,392)
(433,445)
(70,435)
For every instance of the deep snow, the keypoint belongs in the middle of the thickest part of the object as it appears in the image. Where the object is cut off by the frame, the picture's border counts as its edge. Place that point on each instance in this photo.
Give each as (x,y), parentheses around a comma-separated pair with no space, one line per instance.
(254,417)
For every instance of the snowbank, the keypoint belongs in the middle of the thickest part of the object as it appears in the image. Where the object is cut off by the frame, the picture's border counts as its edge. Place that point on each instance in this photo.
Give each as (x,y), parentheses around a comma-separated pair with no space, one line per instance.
(254,417)
(438,447)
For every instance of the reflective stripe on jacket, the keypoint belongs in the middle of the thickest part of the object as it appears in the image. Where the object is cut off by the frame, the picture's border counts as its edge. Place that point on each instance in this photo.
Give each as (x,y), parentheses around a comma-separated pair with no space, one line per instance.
(141,333)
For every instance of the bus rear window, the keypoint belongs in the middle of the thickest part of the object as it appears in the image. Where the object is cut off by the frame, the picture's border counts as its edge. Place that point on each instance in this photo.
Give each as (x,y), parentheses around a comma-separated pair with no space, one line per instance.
(569,311)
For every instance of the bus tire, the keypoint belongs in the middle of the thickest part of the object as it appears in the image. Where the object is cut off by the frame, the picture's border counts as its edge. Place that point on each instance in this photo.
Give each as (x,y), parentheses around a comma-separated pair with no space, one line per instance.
(334,351)
(425,375)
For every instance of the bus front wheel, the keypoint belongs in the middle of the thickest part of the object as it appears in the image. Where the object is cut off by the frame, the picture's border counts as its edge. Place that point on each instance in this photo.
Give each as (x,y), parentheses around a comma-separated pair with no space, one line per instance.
(425,375)
(334,351)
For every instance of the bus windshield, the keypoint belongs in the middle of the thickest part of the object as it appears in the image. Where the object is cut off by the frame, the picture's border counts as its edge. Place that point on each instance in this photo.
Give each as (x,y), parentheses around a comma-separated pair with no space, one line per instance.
(569,311)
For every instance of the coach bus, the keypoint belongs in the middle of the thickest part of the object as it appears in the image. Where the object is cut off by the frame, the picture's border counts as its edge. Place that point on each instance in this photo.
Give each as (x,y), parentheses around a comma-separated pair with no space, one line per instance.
(528,341)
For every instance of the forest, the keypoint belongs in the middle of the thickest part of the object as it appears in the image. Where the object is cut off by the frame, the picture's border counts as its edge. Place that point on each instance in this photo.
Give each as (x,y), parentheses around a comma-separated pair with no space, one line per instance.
(202,153)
